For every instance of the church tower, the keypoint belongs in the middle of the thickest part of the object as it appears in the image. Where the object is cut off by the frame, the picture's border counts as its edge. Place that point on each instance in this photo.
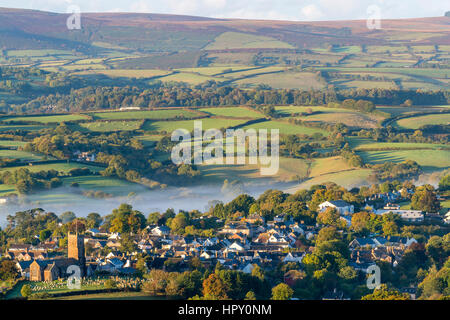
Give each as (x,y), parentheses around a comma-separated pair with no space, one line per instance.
(76,248)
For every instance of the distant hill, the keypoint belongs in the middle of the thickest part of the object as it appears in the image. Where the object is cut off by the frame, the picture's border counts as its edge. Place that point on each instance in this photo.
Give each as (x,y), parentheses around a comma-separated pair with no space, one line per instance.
(31,29)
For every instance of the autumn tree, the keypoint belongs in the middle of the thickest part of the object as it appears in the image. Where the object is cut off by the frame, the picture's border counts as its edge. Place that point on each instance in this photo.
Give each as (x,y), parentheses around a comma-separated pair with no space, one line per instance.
(282,292)
(213,288)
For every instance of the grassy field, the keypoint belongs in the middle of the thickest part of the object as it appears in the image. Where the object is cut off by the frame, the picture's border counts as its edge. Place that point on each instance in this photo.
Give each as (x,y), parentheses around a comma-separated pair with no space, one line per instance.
(417,122)
(190,78)
(351,119)
(62,167)
(284,80)
(348,179)
(286,111)
(235,112)
(23,155)
(128,73)
(169,126)
(47,119)
(289,170)
(364,143)
(328,165)
(236,40)
(22,127)
(285,128)
(108,126)
(12,143)
(429,159)
(138,115)
(110,185)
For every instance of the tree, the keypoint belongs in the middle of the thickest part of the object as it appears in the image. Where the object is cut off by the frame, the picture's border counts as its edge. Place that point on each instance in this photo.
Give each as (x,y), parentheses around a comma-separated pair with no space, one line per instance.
(44,234)
(125,219)
(8,270)
(390,228)
(213,288)
(94,220)
(153,218)
(282,292)
(361,222)
(250,296)
(67,216)
(258,272)
(331,217)
(438,249)
(110,284)
(26,291)
(326,234)
(384,293)
(178,223)
(444,183)
(425,199)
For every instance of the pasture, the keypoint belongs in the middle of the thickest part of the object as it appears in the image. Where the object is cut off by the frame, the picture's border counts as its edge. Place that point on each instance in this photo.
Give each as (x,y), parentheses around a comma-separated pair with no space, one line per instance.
(108,126)
(285,127)
(419,121)
(208,123)
(148,114)
(234,112)
(236,40)
(46,119)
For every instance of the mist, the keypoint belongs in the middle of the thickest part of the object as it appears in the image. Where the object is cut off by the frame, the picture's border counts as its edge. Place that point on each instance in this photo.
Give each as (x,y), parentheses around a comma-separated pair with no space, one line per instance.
(146,201)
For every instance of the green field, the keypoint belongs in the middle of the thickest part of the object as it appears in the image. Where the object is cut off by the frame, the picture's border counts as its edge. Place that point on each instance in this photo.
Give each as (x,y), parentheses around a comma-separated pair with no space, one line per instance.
(23,155)
(127,73)
(61,167)
(208,123)
(429,159)
(235,112)
(47,119)
(151,114)
(22,127)
(417,122)
(235,40)
(12,143)
(348,179)
(364,143)
(285,128)
(108,126)
(110,185)
(289,169)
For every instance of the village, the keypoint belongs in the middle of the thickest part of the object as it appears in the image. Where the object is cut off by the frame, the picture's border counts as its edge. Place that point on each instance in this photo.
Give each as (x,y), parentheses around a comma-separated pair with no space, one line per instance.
(241,244)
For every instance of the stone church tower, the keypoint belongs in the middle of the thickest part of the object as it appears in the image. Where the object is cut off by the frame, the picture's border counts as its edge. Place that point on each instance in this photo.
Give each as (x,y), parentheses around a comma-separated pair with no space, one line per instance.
(76,249)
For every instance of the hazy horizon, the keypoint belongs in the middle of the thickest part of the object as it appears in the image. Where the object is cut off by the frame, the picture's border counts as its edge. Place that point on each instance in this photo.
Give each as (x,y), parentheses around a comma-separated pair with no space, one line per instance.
(321,10)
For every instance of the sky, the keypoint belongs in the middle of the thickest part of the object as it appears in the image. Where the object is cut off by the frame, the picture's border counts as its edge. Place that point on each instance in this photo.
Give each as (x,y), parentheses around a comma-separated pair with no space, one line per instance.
(296,10)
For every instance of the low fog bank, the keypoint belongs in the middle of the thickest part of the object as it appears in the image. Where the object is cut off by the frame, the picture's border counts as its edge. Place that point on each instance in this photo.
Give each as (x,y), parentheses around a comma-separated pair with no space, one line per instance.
(185,198)
(179,198)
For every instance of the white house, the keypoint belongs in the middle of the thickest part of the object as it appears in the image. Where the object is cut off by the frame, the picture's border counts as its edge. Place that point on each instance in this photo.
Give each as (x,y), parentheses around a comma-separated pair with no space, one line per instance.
(407,215)
(340,205)
(160,231)
(291,258)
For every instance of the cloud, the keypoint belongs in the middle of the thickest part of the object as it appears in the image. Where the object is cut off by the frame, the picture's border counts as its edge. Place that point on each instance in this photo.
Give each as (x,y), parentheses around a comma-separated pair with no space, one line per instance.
(141,6)
(311,12)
